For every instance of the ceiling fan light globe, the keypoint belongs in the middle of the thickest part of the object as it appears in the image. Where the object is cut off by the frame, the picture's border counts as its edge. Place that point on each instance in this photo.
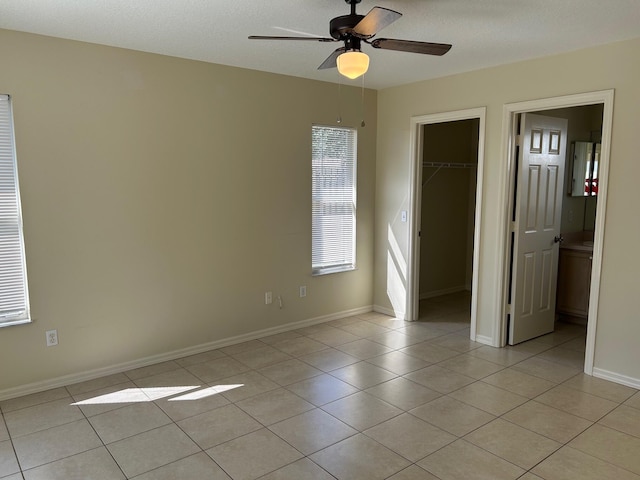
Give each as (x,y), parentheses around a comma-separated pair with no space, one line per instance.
(353,64)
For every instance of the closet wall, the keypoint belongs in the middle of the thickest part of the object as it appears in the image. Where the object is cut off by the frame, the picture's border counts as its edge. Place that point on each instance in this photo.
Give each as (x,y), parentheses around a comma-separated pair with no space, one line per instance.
(448,206)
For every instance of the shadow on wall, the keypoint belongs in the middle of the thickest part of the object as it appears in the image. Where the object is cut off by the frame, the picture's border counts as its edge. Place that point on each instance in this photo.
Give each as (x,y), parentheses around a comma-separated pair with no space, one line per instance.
(396,275)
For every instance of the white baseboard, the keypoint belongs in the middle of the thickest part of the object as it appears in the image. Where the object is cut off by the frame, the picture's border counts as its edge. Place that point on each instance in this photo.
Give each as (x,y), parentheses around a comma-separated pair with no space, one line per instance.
(617,378)
(388,311)
(446,291)
(164,357)
(484,340)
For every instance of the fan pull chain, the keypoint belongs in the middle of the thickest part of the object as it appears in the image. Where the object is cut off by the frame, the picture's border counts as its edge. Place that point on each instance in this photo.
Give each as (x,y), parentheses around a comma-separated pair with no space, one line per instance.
(339,119)
(362,103)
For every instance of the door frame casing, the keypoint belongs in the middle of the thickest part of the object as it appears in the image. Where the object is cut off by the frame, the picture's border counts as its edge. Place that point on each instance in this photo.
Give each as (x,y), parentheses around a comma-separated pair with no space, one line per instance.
(510,112)
(415,199)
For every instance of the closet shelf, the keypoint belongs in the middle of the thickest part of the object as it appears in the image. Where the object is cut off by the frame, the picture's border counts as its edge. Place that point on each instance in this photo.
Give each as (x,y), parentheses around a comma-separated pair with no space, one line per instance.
(441,165)
(449,165)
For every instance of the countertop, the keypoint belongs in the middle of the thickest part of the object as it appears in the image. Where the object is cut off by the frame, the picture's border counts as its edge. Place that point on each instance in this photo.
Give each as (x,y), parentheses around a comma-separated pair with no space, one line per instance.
(581,246)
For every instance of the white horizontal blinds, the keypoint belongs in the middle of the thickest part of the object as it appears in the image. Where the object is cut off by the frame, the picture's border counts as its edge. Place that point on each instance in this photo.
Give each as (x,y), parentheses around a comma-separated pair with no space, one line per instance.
(13,284)
(333,199)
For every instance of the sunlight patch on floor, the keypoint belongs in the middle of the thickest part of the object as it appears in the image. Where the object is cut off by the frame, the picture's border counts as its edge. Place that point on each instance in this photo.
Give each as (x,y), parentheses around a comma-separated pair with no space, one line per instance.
(149,394)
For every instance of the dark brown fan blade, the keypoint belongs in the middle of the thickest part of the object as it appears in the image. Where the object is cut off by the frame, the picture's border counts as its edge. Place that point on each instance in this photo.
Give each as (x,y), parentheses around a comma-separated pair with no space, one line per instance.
(330,62)
(374,21)
(315,39)
(411,46)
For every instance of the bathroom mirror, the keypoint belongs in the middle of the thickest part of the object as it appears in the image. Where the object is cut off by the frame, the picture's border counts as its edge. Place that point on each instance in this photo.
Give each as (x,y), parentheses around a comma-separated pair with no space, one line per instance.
(584,178)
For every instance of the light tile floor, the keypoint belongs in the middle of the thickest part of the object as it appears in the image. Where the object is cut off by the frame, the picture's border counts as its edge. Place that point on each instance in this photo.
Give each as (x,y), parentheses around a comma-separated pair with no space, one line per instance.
(365,397)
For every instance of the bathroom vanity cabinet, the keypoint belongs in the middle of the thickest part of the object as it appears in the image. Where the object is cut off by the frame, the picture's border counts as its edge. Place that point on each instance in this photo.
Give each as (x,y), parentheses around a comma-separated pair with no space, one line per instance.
(574,280)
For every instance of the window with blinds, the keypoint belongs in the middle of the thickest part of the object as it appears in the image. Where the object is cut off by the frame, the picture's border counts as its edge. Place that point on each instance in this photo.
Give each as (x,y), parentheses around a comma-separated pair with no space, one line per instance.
(333,199)
(14,303)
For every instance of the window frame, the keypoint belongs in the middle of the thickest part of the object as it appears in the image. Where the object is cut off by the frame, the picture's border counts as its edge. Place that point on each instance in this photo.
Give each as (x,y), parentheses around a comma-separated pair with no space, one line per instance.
(346,264)
(8,155)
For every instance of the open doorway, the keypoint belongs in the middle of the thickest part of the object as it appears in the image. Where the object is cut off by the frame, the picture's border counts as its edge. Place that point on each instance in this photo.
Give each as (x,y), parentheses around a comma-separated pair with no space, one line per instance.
(590,116)
(579,203)
(448,202)
(427,165)
(554,201)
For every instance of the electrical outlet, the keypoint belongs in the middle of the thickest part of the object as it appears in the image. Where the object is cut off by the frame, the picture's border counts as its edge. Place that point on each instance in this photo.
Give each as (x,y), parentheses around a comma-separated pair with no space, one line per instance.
(303,291)
(268,298)
(52,338)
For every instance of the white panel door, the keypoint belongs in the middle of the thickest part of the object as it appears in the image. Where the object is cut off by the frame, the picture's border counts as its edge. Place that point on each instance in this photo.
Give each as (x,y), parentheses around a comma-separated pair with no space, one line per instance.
(538,208)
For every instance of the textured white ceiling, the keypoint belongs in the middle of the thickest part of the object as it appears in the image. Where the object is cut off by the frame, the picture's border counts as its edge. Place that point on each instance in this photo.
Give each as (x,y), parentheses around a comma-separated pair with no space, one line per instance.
(483,32)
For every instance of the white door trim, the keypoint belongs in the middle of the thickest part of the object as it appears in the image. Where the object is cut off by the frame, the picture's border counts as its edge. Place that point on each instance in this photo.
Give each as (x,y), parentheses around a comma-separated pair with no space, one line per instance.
(510,110)
(415,197)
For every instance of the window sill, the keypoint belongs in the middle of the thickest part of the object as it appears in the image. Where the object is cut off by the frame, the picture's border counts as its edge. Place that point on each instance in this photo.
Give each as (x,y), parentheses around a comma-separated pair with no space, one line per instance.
(11,323)
(330,270)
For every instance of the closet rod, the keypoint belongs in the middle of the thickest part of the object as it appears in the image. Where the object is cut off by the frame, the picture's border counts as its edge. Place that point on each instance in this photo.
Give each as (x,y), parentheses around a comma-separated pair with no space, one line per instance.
(449,165)
(441,165)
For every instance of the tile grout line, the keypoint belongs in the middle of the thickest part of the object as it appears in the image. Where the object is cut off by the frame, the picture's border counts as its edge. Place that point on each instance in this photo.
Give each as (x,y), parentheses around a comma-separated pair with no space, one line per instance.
(202,450)
(13,447)
(99,438)
(22,471)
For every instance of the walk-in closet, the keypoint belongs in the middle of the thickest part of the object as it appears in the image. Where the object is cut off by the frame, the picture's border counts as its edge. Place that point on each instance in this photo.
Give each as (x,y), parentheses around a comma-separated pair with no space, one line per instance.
(449,172)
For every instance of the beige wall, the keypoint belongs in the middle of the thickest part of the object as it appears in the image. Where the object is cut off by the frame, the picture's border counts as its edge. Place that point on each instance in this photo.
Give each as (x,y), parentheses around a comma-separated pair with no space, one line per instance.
(162,197)
(618,68)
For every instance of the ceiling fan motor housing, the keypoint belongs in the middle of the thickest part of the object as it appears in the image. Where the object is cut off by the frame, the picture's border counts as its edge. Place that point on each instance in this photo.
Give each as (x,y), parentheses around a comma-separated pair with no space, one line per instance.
(341,27)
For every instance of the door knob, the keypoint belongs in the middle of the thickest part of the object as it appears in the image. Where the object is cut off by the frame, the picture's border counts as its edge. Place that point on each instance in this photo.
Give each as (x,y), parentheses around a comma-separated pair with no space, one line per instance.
(558,239)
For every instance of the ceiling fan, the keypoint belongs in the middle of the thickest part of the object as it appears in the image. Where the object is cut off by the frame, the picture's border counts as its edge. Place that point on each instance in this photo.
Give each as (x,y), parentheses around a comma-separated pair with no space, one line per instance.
(352,30)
